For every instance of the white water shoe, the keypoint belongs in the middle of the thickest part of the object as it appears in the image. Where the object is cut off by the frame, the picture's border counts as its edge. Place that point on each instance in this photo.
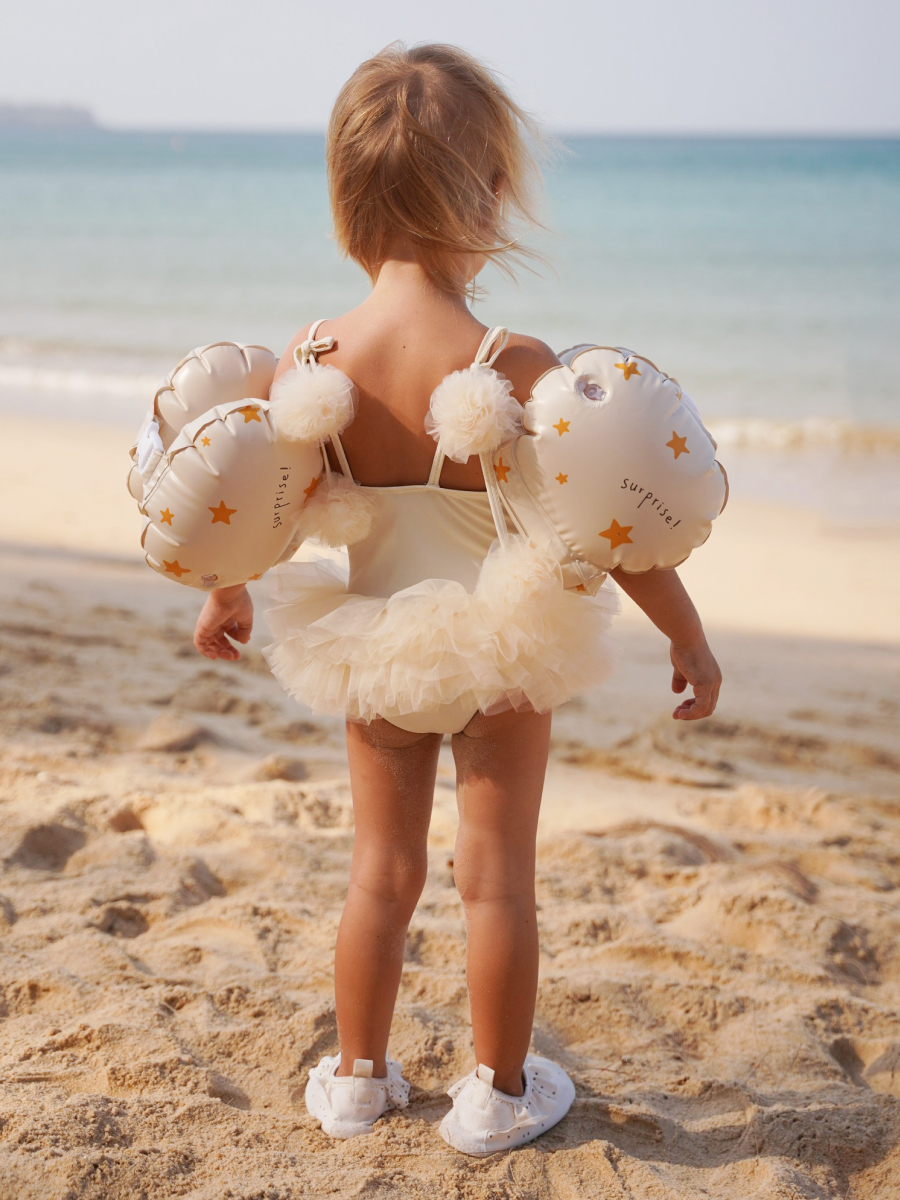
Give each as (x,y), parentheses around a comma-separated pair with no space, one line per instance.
(484,1120)
(348,1105)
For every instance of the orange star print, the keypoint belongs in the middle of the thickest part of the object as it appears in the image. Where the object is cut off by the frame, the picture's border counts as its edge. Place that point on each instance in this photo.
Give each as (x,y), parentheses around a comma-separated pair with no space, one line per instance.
(617,534)
(175,568)
(561,426)
(628,369)
(251,413)
(165,516)
(560,478)
(311,490)
(205,441)
(222,513)
(678,445)
(502,471)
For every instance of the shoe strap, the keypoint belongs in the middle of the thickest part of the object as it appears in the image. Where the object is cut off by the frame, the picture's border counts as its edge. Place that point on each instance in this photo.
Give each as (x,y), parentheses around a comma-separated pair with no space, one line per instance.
(363,1068)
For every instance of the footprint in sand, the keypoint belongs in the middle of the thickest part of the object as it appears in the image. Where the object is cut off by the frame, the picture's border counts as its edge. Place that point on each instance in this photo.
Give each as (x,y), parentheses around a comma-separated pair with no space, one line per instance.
(48,847)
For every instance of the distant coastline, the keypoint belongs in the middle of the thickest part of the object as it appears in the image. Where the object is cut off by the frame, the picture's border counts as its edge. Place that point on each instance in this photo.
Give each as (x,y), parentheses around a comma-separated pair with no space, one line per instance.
(63,118)
(46,116)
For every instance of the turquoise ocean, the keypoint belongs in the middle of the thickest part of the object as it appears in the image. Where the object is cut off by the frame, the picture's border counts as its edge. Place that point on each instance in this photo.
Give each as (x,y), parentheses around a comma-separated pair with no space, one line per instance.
(763,273)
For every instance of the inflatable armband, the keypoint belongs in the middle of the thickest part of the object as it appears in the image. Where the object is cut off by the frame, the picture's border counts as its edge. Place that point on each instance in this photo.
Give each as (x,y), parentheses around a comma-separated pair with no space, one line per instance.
(221,493)
(615,468)
(211,375)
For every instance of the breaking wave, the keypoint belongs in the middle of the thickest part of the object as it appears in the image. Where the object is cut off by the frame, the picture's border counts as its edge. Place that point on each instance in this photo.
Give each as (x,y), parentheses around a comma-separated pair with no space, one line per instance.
(811,433)
(77,380)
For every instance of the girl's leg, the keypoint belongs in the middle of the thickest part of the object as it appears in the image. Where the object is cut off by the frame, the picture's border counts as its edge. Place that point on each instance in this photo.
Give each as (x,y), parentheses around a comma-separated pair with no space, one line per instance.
(392,776)
(500,762)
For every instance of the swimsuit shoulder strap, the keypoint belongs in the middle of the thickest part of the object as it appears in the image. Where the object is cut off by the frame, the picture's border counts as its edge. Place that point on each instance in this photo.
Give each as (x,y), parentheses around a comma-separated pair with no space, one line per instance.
(310,349)
(484,357)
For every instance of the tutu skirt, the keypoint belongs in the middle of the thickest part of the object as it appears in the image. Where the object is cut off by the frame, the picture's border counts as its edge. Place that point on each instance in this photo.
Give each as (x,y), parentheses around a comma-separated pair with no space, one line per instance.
(519,640)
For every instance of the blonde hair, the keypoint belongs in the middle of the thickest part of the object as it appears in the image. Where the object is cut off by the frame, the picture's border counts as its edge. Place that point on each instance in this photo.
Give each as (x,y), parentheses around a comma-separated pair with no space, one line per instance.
(425,143)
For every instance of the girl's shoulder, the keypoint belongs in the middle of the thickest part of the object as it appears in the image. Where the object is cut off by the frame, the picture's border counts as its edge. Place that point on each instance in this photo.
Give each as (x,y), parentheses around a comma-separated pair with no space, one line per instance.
(287,359)
(523,361)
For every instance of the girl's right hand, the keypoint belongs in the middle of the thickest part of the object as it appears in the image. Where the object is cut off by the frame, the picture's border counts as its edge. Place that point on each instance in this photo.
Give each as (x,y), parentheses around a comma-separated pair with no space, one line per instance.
(227,611)
(693,663)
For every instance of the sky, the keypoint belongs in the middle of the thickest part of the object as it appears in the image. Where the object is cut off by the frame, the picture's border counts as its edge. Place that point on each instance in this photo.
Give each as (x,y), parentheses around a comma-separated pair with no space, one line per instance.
(632,66)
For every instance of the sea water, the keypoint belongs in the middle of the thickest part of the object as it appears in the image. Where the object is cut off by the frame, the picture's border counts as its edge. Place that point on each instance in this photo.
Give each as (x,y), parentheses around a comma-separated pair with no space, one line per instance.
(763,273)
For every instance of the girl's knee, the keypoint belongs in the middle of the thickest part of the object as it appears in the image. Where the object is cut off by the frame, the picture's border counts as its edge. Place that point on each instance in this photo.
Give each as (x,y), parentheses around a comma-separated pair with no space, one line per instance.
(494,855)
(396,881)
(480,878)
(475,890)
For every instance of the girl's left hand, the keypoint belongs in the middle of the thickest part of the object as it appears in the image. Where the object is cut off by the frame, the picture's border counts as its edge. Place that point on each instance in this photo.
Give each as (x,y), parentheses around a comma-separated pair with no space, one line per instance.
(693,664)
(227,611)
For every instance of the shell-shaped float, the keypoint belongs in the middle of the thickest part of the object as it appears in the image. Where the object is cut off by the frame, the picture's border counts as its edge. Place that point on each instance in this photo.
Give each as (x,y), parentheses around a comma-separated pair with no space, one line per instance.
(615,468)
(220,492)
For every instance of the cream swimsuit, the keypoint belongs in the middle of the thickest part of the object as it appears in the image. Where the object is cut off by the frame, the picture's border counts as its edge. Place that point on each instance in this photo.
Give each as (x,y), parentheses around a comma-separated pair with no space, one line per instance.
(447,610)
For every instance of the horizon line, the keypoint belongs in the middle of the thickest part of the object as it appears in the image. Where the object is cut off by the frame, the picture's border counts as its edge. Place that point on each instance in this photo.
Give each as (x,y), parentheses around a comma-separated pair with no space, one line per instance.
(72,117)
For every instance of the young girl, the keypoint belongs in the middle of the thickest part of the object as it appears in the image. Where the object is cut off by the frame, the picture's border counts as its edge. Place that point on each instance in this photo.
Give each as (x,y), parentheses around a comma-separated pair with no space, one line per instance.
(437,632)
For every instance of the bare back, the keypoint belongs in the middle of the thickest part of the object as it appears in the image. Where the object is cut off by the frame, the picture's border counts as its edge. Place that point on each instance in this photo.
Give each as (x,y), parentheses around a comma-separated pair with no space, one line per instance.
(397,356)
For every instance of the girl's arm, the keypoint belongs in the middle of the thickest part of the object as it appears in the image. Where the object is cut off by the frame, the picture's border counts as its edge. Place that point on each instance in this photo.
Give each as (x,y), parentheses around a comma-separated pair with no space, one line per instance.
(229,610)
(662,596)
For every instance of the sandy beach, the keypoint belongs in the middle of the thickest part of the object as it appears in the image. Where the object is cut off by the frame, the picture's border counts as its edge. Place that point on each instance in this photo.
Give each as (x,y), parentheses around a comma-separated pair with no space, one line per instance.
(718,902)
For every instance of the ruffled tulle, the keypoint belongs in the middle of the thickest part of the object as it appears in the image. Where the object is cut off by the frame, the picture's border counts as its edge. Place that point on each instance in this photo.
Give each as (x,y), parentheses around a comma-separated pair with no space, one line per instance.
(519,640)
(473,411)
(339,514)
(311,402)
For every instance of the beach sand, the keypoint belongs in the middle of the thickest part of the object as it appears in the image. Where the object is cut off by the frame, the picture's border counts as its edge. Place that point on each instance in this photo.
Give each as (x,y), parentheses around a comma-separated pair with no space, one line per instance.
(718,901)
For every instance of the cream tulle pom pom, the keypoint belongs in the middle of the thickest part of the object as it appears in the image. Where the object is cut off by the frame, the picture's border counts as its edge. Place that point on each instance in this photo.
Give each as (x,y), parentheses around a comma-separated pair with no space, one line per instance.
(519,573)
(473,412)
(338,514)
(312,402)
